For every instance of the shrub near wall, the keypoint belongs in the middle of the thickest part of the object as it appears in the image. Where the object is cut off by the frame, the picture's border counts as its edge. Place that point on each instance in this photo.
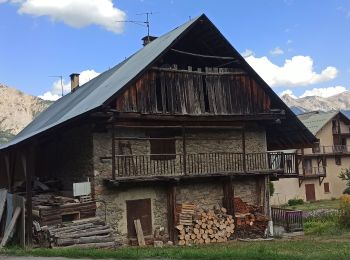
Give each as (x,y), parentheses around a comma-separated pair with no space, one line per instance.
(344,211)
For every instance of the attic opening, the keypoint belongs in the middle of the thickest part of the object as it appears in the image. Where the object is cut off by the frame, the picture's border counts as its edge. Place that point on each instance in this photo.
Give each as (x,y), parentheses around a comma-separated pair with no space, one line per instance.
(203,46)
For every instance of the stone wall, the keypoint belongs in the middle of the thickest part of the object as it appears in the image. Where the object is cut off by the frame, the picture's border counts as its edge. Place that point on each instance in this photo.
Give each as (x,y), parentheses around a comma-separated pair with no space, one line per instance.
(204,194)
(226,141)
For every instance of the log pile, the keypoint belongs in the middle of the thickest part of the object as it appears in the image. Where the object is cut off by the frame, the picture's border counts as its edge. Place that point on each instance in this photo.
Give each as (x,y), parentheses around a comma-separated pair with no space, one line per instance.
(207,226)
(85,233)
(185,213)
(250,222)
(52,210)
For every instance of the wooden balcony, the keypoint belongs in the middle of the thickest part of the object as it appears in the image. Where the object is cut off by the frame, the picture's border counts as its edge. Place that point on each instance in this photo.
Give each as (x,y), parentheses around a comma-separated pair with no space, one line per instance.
(168,166)
(314,172)
(328,150)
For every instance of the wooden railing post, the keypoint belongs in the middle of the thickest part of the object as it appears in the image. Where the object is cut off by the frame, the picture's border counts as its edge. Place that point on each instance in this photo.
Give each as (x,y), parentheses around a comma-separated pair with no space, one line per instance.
(113,149)
(184,154)
(244,150)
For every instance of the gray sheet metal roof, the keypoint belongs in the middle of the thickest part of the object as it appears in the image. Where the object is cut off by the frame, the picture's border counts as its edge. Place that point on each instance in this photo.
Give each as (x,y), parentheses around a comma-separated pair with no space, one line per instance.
(94,93)
(314,121)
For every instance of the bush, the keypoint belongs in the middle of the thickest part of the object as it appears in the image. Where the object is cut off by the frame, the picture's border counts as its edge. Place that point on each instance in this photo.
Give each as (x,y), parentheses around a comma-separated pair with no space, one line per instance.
(344,211)
(293,202)
(347,191)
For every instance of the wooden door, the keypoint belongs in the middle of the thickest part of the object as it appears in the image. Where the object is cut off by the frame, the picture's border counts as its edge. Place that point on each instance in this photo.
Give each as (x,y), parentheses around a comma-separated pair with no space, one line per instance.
(139,209)
(310,192)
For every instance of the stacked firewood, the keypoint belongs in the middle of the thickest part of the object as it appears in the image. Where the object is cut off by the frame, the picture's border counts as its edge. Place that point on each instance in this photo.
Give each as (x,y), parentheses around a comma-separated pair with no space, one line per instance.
(85,233)
(207,226)
(250,221)
(185,213)
(50,209)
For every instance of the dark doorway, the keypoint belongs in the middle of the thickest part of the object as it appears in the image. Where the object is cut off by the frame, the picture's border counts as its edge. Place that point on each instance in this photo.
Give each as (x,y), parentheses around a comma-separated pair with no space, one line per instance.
(139,209)
(310,192)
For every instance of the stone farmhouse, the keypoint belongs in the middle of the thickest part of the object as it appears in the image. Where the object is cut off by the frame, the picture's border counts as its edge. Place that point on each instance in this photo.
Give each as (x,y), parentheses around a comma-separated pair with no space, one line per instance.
(183,120)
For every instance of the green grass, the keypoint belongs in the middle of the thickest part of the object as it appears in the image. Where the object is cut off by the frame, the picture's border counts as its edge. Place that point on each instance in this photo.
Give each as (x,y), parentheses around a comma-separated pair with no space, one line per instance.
(321,204)
(299,249)
(328,225)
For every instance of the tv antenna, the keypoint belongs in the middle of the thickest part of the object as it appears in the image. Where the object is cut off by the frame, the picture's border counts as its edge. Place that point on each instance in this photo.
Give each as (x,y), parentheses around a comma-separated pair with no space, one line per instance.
(145,23)
(60,77)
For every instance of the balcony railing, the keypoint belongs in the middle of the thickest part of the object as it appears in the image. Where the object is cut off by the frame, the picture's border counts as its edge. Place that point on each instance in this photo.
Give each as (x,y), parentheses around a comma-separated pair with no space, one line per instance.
(314,172)
(196,164)
(331,149)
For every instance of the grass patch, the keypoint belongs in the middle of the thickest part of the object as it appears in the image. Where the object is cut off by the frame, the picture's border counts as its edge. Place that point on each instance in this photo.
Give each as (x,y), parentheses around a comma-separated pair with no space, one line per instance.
(320,204)
(233,250)
(327,225)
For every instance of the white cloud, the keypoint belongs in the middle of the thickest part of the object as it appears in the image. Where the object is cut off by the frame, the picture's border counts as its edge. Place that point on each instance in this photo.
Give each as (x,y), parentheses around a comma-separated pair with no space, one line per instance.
(297,71)
(75,13)
(276,51)
(288,92)
(56,90)
(324,92)
(247,53)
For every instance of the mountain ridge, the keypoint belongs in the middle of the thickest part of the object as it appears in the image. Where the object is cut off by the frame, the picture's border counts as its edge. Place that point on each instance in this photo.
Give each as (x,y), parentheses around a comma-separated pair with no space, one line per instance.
(339,101)
(19,110)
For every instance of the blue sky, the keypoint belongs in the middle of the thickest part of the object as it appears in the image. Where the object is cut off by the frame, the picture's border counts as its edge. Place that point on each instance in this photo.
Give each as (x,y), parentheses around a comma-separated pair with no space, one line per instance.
(295,45)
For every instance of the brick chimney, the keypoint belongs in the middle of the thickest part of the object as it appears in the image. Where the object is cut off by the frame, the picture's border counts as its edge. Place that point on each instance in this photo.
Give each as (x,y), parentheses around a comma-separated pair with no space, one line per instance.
(74,81)
(147,39)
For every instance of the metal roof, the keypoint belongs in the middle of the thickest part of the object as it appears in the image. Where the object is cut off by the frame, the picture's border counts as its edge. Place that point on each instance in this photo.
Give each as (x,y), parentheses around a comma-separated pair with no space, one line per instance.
(97,91)
(314,121)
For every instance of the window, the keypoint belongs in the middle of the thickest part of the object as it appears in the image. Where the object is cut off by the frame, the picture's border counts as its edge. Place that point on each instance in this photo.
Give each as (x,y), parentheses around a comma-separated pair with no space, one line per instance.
(326,187)
(316,148)
(337,160)
(163,148)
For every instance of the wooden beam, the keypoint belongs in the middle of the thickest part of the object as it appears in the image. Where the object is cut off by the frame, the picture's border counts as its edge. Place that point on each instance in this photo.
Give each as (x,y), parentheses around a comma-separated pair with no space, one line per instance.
(28,164)
(171,211)
(244,151)
(7,169)
(184,153)
(228,194)
(3,196)
(18,201)
(139,232)
(113,150)
(10,227)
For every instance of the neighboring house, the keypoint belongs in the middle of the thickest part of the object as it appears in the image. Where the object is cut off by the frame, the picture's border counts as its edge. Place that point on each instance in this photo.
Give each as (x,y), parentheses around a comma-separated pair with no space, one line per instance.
(320,166)
(185,119)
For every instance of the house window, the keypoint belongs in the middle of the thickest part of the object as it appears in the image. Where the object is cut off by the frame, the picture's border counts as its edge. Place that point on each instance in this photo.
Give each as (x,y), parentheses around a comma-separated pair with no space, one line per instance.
(337,160)
(326,187)
(316,148)
(162,146)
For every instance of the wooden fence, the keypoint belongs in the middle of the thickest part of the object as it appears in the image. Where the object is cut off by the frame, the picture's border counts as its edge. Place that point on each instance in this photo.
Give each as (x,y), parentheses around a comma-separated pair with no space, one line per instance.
(291,220)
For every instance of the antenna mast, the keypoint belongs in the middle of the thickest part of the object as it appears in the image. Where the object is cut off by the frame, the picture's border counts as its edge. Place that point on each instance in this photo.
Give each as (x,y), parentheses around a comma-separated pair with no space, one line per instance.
(141,23)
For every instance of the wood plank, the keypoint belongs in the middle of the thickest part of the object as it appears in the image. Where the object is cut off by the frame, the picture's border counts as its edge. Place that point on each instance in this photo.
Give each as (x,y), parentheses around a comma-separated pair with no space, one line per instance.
(18,201)
(3,196)
(139,232)
(10,228)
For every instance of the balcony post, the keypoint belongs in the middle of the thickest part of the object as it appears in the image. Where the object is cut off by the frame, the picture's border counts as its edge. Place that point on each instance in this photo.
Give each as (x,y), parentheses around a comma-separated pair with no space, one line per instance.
(244,150)
(184,154)
(113,149)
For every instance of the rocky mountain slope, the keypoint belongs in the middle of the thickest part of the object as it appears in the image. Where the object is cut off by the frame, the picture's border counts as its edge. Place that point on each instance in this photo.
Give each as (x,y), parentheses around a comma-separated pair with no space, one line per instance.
(17,110)
(337,102)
